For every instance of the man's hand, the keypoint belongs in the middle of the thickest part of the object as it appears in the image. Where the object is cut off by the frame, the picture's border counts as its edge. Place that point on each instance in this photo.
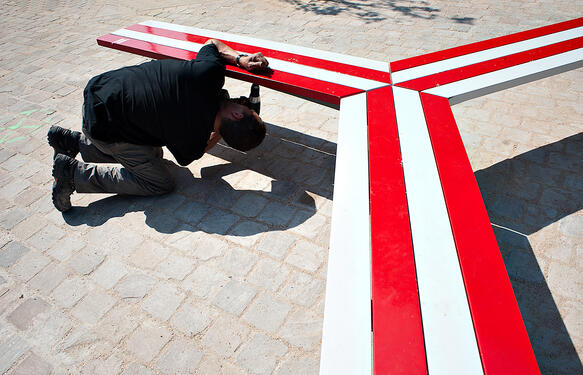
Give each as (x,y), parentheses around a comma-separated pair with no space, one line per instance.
(254,62)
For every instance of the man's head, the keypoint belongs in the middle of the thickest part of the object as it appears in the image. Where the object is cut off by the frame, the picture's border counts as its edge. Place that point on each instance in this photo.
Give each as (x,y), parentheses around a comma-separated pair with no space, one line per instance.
(239,126)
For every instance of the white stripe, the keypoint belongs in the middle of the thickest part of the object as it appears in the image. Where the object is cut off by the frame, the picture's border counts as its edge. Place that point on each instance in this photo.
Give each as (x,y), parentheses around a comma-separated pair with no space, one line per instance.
(450,341)
(336,57)
(284,66)
(346,335)
(504,78)
(489,54)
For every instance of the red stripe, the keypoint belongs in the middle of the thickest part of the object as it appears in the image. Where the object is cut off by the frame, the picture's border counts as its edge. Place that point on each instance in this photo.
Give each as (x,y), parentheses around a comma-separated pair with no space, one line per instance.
(398,345)
(294,84)
(352,70)
(502,338)
(486,44)
(477,69)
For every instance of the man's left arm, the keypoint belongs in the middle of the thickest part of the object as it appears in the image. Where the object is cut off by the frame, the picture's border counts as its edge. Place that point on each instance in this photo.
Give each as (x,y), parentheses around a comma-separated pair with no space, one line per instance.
(213,140)
(252,63)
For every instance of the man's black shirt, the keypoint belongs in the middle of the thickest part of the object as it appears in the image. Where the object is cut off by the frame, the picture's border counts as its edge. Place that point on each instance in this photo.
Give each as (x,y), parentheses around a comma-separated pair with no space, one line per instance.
(158,103)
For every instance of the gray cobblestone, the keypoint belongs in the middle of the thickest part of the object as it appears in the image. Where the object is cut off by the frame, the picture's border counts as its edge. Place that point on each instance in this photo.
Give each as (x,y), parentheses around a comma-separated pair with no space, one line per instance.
(208,247)
(163,301)
(11,217)
(135,286)
(64,249)
(225,336)
(118,323)
(109,273)
(147,341)
(46,238)
(137,369)
(192,319)
(260,353)
(181,357)
(11,349)
(267,312)
(33,364)
(302,288)
(49,278)
(87,260)
(24,314)
(29,265)
(176,267)
(276,244)
(238,262)
(204,281)
(298,364)
(303,329)
(93,307)
(148,255)
(70,292)
(306,256)
(246,233)
(234,297)
(11,253)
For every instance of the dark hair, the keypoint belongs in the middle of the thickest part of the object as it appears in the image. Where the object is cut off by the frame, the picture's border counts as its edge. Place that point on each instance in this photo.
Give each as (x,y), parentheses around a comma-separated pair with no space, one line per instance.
(243,134)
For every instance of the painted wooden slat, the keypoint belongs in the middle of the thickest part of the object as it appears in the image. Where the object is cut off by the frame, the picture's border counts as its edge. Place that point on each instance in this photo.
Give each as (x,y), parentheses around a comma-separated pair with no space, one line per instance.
(483,45)
(485,55)
(311,89)
(305,51)
(500,332)
(502,79)
(450,341)
(346,335)
(340,67)
(398,346)
(469,71)
(275,64)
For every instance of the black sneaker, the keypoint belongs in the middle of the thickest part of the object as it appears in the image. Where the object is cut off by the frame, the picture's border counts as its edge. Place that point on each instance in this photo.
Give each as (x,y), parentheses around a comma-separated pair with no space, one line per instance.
(64,141)
(64,185)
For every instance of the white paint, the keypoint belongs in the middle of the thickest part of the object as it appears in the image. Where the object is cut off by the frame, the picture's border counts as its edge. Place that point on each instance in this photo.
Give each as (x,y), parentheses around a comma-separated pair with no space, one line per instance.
(501,79)
(346,335)
(284,66)
(450,341)
(485,55)
(345,59)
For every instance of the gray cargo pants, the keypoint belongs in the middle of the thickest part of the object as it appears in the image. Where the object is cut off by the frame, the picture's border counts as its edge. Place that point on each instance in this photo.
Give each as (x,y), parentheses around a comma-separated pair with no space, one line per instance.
(143,171)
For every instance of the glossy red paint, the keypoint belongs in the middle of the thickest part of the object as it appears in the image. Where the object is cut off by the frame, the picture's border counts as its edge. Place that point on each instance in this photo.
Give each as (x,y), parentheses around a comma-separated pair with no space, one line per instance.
(485,44)
(398,346)
(502,338)
(280,55)
(477,69)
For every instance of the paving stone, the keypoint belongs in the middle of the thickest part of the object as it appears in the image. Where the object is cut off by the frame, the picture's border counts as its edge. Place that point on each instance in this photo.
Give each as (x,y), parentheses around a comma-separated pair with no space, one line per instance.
(306,256)
(302,288)
(118,323)
(225,336)
(93,307)
(66,247)
(49,278)
(176,267)
(238,261)
(28,227)
(268,274)
(79,336)
(307,224)
(11,217)
(234,297)
(192,319)
(109,273)
(137,369)
(192,212)
(204,281)
(111,365)
(260,353)
(29,265)
(207,247)
(147,341)
(298,364)
(181,357)
(87,260)
(303,329)
(70,292)
(163,301)
(11,349)
(277,214)
(217,221)
(11,253)
(22,317)
(148,255)
(249,205)
(267,312)
(275,244)
(246,233)
(46,238)
(212,364)
(33,364)
(135,286)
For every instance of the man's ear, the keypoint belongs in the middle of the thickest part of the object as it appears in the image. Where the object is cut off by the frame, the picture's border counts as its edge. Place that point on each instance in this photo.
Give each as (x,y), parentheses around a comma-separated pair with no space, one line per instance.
(237,115)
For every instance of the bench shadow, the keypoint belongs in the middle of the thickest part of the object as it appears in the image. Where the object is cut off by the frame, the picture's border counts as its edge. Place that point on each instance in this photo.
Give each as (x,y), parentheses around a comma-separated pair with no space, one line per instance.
(523,195)
(375,11)
(290,168)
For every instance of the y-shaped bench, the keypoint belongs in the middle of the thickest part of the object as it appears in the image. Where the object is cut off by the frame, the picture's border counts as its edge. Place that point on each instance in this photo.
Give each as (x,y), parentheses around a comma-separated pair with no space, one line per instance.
(409,229)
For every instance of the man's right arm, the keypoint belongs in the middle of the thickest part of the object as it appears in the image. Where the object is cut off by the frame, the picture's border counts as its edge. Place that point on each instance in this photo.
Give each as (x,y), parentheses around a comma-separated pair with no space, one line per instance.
(252,63)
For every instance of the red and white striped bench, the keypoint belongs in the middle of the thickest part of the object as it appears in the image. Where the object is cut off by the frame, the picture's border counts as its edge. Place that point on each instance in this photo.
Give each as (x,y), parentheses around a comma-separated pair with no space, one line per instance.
(408,218)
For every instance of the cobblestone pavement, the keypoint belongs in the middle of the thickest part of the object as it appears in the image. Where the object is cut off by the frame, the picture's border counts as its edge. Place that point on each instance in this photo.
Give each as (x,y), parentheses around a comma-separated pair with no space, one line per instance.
(227,274)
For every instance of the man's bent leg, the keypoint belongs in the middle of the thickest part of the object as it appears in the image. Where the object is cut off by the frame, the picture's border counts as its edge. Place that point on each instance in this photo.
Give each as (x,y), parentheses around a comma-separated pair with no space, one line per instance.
(143,172)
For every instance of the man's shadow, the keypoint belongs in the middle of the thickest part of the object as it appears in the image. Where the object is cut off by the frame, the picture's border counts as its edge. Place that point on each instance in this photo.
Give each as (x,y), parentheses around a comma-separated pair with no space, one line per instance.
(523,195)
(212,205)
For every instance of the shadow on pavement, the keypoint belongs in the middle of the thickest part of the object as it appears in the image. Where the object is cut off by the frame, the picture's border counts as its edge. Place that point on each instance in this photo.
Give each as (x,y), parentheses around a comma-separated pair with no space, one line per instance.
(291,168)
(523,195)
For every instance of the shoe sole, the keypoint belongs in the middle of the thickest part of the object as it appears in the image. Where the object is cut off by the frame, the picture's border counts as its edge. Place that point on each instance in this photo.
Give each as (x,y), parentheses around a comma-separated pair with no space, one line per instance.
(61,204)
(57,149)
